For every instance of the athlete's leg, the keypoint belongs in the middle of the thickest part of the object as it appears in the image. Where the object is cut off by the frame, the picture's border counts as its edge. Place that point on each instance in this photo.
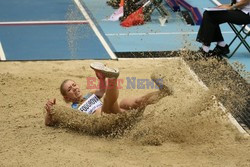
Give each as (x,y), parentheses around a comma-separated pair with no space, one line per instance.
(142,101)
(110,104)
(150,98)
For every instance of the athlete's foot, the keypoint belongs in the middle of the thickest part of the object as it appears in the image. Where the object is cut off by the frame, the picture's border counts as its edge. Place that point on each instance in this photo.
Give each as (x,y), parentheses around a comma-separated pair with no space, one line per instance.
(158,79)
(107,71)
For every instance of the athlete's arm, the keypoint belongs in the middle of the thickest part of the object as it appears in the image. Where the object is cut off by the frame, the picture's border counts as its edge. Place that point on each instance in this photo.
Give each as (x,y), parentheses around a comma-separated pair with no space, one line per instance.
(48,116)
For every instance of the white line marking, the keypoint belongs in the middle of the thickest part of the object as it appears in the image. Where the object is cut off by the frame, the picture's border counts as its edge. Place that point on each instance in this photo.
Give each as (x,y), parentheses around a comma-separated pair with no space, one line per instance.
(94,28)
(43,22)
(2,55)
(159,33)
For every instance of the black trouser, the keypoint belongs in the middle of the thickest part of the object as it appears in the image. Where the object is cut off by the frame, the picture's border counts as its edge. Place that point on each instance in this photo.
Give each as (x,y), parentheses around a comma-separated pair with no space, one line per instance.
(210,30)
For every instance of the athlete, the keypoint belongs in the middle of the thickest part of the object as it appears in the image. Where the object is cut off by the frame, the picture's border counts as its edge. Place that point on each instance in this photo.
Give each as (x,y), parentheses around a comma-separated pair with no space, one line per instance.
(104,99)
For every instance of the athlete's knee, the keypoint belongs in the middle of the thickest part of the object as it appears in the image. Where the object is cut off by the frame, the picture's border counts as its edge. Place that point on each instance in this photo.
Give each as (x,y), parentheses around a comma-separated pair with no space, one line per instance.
(112,83)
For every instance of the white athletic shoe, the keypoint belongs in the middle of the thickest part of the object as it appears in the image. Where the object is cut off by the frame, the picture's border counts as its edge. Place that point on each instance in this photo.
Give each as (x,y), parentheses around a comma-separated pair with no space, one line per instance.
(107,71)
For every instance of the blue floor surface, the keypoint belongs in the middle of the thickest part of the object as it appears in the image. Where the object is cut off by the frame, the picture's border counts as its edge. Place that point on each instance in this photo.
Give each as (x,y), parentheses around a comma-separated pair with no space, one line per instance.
(47,42)
(54,42)
(35,10)
(174,35)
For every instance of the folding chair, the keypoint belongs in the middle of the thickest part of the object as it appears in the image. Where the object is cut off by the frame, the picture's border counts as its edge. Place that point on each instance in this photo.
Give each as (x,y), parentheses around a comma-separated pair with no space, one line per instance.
(242,35)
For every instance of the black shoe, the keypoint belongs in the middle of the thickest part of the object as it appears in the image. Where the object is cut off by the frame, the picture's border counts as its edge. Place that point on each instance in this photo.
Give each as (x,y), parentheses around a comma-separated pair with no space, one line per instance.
(219,50)
(211,55)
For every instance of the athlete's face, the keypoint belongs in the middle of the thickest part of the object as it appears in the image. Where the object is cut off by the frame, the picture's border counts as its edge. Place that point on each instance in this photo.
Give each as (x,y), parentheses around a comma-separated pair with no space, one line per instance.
(73,92)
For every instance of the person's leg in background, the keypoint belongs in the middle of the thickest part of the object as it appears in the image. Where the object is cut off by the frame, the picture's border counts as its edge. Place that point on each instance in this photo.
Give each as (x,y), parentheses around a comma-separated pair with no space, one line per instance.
(210,30)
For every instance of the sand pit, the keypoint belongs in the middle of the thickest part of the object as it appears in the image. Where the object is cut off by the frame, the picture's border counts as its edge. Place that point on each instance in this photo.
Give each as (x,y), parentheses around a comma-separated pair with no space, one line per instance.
(185,129)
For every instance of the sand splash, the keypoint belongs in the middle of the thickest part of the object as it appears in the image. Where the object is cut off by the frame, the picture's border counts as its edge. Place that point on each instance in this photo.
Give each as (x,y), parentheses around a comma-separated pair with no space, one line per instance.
(179,119)
(231,89)
(198,122)
(108,125)
(75,32)
(72,31)
(186,117)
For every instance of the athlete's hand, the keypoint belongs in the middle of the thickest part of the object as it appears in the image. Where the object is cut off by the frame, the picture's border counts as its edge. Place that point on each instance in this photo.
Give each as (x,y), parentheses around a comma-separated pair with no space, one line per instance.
(48,117)
(49,105)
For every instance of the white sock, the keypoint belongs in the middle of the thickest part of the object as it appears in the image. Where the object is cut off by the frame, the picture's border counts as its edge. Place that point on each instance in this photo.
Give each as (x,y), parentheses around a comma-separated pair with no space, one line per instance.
(205,48)
(221,43)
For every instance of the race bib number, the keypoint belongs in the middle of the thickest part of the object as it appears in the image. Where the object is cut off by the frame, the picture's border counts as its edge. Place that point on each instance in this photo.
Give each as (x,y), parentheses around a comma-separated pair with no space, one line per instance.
(90,105)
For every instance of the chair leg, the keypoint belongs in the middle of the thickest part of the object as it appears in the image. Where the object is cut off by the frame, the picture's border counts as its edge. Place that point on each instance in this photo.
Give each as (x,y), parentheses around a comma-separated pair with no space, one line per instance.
(235,31)
(236,49)
(245,43)
(242,39)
